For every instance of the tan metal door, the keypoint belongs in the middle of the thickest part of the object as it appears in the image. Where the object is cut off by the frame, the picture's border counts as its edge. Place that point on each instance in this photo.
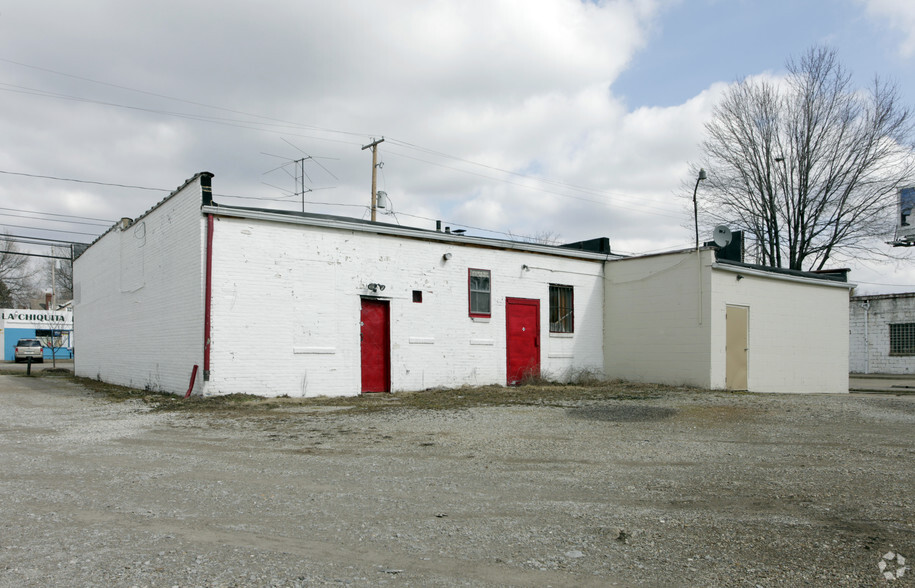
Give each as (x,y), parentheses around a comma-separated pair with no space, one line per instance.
(737,320)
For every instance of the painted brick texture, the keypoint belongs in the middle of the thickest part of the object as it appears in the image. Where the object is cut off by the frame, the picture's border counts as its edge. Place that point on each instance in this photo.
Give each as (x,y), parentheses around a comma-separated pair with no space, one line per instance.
(869,320)
(287,299)
(138,299)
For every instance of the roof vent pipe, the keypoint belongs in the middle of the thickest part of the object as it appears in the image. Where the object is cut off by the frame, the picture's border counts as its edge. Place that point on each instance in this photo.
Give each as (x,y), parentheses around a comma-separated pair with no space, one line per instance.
(448,229)
(438,226)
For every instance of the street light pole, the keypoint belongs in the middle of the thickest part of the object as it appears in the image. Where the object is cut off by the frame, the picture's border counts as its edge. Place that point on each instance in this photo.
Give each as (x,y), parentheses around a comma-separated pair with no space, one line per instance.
(702,176)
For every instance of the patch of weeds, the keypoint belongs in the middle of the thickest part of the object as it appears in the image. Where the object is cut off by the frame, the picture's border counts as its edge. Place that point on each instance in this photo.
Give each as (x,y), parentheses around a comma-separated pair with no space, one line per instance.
(586,377)
(535,392)
(116,393)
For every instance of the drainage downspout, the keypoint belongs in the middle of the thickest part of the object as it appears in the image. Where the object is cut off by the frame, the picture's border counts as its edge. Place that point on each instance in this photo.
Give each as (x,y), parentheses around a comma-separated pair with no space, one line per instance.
(208,295)
(867,351)
(206,189)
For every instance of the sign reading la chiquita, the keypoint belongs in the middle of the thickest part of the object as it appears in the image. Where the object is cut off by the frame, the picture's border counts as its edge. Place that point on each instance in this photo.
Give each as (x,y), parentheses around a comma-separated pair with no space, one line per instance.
(19,316)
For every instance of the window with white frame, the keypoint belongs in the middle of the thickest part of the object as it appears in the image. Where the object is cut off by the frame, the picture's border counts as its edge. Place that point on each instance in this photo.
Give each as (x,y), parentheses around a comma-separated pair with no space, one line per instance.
(562,309)
(902,339)
(480,293)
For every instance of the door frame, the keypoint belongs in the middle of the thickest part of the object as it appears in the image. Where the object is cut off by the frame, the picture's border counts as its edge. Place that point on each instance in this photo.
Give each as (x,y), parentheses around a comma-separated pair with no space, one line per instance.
(386,342)
(737,360)
(509,302)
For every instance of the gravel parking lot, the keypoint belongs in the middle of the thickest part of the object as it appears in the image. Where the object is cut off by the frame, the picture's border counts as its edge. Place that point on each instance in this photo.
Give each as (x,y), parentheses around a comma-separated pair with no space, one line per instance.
(659,487)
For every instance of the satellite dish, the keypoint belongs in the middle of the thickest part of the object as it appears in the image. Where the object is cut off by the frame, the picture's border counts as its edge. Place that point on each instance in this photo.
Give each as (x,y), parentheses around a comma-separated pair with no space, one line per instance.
(722,236)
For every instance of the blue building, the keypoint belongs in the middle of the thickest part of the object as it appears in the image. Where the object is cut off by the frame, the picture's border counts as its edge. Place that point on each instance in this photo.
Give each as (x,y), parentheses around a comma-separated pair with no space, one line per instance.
(53,328)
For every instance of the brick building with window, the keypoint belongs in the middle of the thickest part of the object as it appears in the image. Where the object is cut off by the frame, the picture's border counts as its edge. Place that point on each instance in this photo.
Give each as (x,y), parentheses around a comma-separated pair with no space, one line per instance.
(882,334)
(282,303)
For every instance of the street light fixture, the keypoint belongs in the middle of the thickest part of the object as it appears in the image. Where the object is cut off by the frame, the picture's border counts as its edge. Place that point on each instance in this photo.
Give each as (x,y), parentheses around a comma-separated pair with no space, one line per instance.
(702,176)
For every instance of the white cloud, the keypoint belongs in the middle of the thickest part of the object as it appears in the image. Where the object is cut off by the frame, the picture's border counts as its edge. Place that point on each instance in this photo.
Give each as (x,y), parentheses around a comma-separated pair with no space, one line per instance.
(899,15)
(514,85)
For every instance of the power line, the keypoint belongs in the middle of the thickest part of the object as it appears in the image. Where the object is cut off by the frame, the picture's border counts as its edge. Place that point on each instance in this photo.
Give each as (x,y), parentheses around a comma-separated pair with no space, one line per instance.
(102,220)
(35,240)
(405,144)
(59,179)
(34,255)
(277,125)
(250,125)
(656,211)
(182,100)
(54,220)
(51,230)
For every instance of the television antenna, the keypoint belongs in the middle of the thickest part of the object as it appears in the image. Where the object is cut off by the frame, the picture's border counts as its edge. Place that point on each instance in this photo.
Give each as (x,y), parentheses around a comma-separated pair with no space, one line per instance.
(299,174)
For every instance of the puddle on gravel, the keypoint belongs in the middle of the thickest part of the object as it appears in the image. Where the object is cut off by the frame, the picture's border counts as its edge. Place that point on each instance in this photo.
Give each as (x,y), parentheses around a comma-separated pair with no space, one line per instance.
(623,414)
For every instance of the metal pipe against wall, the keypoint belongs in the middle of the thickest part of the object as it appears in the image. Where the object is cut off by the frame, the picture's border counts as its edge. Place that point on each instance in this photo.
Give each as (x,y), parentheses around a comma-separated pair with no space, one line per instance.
(867,348)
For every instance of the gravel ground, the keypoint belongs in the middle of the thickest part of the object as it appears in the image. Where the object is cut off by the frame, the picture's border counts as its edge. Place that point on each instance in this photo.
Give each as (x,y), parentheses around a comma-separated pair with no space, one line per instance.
(674,488)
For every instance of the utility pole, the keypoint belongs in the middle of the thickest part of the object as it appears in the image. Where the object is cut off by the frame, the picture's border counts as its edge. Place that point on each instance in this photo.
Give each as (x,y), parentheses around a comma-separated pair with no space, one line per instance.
(54,263)
(374,146)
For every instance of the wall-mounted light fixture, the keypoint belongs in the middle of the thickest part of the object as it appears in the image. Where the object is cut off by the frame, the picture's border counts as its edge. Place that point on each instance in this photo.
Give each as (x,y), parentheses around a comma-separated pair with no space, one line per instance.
(446,257)
(739,277)
(524,268)
(375,287)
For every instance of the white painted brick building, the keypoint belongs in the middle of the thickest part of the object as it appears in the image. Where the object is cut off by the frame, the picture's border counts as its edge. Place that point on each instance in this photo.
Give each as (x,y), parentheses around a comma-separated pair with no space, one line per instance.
(279,303)
(882,334)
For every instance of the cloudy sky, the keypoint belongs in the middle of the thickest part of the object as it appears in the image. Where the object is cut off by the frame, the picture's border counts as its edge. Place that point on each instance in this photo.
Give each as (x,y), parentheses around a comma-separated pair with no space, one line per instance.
(571,118)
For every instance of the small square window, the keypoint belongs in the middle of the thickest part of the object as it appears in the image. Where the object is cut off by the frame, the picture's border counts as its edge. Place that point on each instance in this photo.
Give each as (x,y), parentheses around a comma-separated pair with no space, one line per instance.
(562,310)
(902,339)
(417,295)
(478,284)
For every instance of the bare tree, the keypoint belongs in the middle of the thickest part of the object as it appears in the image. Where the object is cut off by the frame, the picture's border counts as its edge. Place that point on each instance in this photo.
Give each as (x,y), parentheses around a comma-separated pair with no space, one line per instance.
(56,336)
(540,238)
(60,274)
(16,273)
(6,298)
(809,168)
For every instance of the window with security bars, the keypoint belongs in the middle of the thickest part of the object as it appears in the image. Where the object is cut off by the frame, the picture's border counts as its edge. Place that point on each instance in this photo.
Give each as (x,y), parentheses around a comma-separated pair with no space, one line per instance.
(902,339)
(562,310)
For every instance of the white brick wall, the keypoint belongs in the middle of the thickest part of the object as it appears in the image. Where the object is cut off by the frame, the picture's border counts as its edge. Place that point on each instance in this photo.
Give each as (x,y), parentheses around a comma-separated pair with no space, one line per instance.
(138,299)
(869,351)
(286,310)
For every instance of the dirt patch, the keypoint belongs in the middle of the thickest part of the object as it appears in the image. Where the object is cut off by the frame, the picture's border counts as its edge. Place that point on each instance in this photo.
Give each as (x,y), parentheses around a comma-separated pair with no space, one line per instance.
(599,485)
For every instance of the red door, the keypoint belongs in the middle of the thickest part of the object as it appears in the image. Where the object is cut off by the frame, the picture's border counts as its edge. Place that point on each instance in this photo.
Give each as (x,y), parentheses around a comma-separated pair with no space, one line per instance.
(522,325)
(376,346)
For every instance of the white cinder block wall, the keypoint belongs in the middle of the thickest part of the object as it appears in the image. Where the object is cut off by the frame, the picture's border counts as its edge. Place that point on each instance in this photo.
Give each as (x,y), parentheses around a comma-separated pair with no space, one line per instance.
(138,298)
(656,319)
(797,331)
(287,298)
(869,350)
